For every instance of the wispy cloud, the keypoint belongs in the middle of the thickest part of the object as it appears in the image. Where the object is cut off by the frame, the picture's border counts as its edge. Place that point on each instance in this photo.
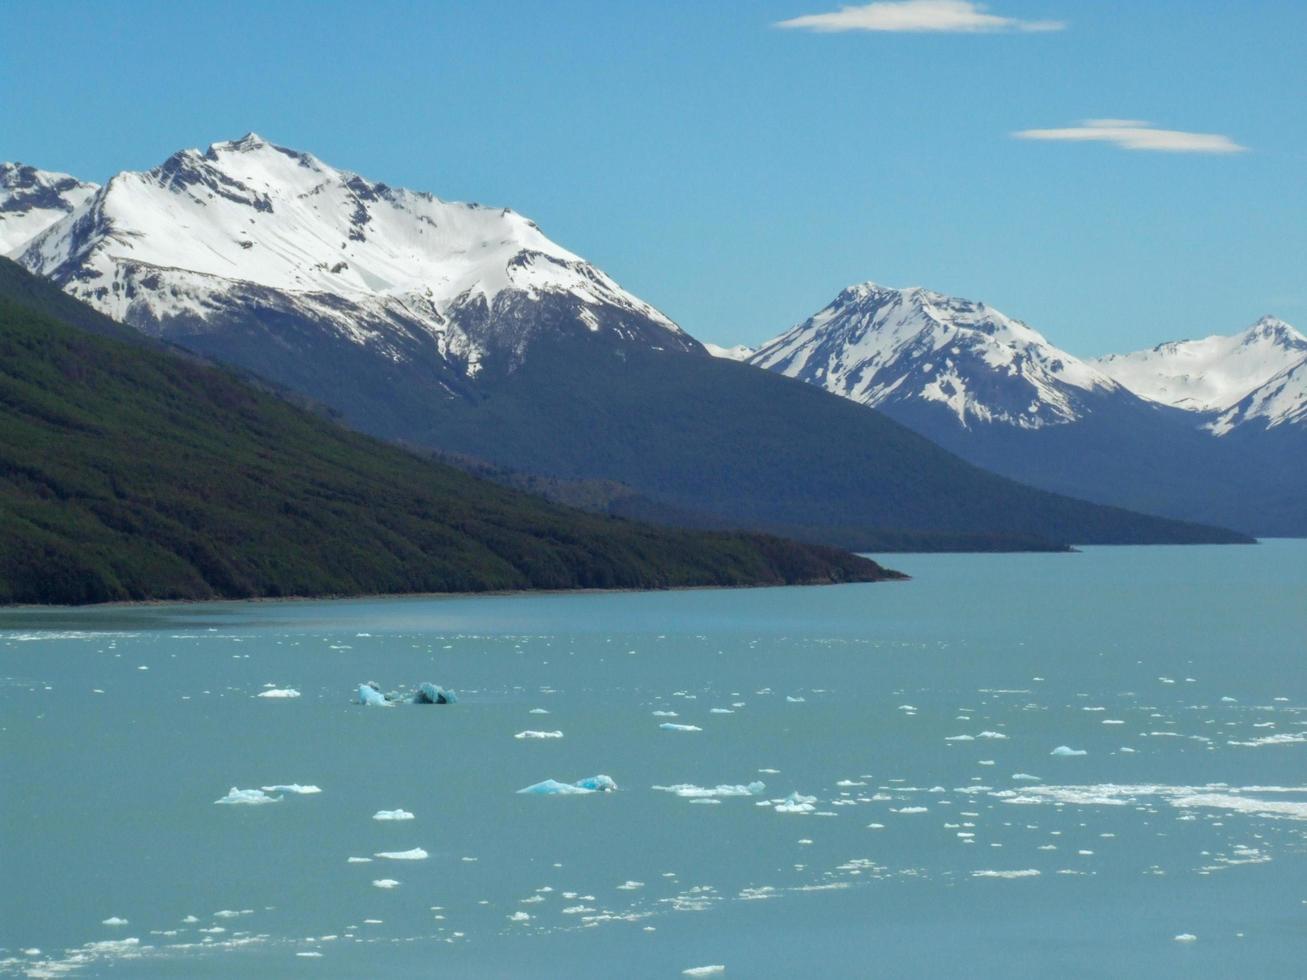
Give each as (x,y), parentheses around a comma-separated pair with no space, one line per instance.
(919,16)
(1135,134)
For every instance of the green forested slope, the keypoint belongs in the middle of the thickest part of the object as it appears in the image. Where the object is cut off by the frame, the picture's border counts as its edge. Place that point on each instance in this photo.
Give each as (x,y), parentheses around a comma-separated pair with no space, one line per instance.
(130,473)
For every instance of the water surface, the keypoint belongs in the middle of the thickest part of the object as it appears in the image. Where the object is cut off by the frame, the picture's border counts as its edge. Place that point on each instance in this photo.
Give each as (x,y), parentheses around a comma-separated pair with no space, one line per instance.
(933,831)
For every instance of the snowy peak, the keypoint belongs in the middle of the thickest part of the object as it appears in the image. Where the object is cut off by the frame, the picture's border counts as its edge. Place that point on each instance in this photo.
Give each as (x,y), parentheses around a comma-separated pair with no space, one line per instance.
(248,213)
(1212,374)
(880,345)
(31,200)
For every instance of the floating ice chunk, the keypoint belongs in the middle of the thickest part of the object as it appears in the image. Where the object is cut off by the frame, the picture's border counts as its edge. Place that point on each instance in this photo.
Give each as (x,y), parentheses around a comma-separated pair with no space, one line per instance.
(1025,777)
(392,815)
(415,854)
(309,954)
(370,695)
(552,787)
(518,917)
(113,920)
(359,860)
(668,726)
(630,886)
(538,711)
(535,735)
(385,883)
(991,735)
(295,788)
(278,692)
(721,711)
(690,791)
(960,738)
(1022,873)
(913,809)
(428,693)
(712,970)
(664,714)
(247,797)
(796,803)
(1186,937)
(1066,750)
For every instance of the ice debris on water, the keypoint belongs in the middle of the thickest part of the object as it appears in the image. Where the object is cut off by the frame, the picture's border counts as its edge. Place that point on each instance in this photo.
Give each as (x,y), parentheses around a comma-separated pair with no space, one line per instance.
(426,693)
(385,883)
(278,692)
(552,787)
(1066,750)
(796,803)
(392,815)
(247,797)
(296,788)
(1186,937)
(669,726)
(712,970)
(690,791)
(415,854)
(537,735)
(114,920)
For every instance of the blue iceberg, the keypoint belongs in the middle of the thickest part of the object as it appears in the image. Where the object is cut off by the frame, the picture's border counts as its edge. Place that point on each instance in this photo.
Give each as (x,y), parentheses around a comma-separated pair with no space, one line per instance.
(552,787)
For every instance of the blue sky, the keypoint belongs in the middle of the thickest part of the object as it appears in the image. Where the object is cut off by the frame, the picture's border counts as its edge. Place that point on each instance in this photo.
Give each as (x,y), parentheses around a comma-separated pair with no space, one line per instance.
(738,174)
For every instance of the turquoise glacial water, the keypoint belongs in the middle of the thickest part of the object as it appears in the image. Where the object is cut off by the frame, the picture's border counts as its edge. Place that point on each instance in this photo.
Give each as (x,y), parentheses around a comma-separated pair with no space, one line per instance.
(934,832)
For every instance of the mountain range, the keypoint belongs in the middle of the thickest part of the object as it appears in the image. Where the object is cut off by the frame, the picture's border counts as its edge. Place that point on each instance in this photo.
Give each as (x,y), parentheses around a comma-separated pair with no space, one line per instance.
(464,330)
(1210,430)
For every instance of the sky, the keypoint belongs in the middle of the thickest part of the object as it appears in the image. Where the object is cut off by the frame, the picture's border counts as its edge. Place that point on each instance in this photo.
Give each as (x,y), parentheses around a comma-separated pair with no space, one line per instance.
(1115,174)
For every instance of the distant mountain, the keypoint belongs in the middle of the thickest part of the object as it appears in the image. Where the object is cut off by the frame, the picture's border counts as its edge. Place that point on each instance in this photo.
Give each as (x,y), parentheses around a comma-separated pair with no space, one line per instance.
(130,473)
(913,347)
(1137,431)
(1252,377)
(465,330)
(31,200)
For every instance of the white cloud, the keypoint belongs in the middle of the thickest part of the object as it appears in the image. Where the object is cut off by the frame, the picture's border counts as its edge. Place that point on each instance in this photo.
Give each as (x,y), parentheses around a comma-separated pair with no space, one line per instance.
(919,16)
(1135,134)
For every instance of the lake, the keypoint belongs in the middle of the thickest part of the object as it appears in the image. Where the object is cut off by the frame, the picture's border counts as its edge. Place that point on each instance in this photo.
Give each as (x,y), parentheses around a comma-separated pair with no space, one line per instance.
(1088,764)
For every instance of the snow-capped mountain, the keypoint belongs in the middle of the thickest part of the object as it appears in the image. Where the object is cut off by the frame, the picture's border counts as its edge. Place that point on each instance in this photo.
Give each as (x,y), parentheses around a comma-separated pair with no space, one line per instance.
(31,200)
(197,244)
(1143,431)
(1252,375)
(883,346)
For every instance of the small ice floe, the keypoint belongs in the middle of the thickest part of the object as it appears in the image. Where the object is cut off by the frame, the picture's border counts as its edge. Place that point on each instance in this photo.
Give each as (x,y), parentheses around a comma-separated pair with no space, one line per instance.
(1025,777)
(721,711)
(711,970)
(371,695)
(793,700)
(690,791)
(1022,873)
(518,916)
(385,883)
(552,787)
(296,788)
(426,693)
(1186,937)
(415,854)
(630,886)
(278,692)
(796,803)
(669,726)
(664,714)
(392,815)
(913,809)
(1066,750)
(536,735)
(538,711)
(247,797)
(113,920)
(309,954)
(359,860)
